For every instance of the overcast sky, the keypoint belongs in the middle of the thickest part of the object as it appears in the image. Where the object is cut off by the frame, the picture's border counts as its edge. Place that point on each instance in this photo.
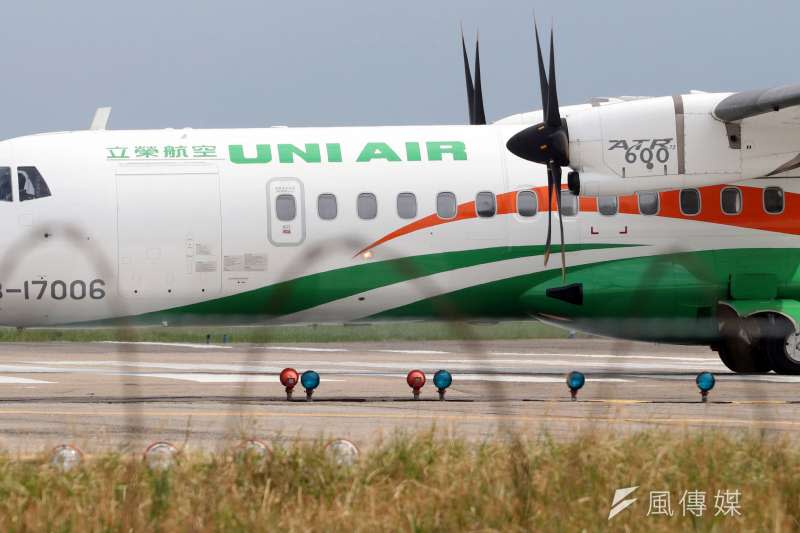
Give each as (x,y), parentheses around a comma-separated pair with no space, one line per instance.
(255,63)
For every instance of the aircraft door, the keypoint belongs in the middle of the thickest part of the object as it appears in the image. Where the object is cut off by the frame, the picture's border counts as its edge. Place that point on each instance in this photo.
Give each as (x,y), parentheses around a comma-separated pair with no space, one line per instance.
(286,209)
(169,231)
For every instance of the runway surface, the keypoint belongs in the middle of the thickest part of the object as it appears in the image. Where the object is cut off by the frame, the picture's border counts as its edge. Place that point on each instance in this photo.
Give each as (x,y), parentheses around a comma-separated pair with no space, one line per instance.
(125,395)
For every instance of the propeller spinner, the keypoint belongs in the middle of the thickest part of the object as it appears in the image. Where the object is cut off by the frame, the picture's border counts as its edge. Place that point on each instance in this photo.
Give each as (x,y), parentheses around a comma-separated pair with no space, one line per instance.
(547,143)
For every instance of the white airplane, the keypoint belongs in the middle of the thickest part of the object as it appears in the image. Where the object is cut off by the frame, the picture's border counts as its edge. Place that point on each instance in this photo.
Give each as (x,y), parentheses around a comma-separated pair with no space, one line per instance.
(680,222)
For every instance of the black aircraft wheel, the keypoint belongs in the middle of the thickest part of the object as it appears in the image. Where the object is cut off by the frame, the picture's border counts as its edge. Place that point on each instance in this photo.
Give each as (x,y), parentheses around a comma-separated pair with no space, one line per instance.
(780,342)
(740,357)
(735,348)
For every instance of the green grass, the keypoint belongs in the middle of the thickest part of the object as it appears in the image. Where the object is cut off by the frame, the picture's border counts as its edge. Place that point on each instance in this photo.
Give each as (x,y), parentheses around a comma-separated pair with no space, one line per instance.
(417,483)
(375,332)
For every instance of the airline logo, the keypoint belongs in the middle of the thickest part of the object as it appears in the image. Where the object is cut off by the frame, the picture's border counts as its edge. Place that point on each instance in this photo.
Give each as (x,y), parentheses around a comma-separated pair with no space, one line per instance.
(618,504)
(333,152)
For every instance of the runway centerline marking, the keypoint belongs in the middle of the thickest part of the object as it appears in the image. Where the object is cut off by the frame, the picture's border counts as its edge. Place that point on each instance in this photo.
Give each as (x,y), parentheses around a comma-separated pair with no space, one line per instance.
(415,352)
(171,344)
(305,349)
(608,356)
(7,380)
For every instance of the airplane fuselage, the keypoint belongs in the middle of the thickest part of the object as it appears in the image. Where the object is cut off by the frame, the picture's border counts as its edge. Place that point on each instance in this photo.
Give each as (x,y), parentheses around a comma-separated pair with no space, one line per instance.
(339,224)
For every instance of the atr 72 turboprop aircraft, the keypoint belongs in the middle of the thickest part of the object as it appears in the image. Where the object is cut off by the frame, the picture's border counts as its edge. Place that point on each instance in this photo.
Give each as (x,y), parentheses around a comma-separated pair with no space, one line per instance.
(679,221)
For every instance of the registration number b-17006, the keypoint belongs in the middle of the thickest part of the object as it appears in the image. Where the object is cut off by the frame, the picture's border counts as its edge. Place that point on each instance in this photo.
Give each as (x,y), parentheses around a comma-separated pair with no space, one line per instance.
(57,290)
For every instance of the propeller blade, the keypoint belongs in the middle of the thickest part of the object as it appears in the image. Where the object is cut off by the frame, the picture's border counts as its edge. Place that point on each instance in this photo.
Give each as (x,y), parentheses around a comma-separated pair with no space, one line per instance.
(470,87)
(542,76)
(547,143)
(549,214)
(557,187)
(553,116)
(477,105)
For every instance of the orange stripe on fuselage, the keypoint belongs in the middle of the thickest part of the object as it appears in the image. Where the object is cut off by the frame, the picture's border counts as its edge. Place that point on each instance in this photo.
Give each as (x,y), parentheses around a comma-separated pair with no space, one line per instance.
(752,215)
(506,204)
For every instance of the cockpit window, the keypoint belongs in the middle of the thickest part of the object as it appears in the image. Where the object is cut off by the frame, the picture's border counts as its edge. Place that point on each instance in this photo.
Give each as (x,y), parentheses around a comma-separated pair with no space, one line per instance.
(5,184)
(31,184)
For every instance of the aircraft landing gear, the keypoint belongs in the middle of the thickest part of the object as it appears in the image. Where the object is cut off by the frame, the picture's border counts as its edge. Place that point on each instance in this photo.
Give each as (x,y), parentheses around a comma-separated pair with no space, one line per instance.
(736,348)
(741,357)
(758,344)
(780,342)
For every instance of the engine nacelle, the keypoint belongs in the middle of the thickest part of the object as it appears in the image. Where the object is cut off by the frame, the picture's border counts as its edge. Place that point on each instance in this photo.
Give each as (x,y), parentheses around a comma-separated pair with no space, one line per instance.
(625,146)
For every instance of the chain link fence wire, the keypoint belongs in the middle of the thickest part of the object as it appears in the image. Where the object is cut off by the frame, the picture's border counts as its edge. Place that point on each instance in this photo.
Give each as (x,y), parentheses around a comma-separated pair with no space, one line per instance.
(423,285)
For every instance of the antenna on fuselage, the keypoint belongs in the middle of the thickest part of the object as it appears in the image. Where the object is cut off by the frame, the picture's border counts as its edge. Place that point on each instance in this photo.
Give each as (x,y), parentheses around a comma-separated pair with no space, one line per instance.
(100,120)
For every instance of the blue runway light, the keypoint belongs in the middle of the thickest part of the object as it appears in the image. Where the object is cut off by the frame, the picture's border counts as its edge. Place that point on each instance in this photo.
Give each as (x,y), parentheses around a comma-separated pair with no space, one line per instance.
(310,381)
(442,379)
(705,382)
(575,381)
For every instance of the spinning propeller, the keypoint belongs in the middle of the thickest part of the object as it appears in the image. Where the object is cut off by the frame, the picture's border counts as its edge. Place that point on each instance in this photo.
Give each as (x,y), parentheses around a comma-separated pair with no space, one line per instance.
(547,143)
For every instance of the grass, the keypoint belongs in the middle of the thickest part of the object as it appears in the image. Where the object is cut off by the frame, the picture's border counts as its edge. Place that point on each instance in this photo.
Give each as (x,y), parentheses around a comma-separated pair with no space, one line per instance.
(374,332)
(418,482)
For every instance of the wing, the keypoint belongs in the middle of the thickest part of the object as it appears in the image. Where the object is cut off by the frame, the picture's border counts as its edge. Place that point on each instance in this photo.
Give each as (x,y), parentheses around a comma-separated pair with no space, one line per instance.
(747,104)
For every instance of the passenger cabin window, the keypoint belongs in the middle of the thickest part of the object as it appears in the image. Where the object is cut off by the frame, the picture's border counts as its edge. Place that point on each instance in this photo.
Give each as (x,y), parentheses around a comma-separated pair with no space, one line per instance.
(773,200)
(485,204)
(569,204)
(527,203)
(446,205)
(31,184)
(367,206)
(5,184)
(406,205)
(327,209)
(607,205)
(648,203)
(731,199)
(285,207)
(690,201)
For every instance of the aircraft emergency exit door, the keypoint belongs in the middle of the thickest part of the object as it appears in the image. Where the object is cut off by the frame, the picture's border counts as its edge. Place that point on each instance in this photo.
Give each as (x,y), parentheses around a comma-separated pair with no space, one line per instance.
(286,208)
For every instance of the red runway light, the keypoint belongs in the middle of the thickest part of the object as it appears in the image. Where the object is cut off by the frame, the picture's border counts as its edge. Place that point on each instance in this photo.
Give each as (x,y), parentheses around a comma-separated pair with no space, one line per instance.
(416,380)
(289,378)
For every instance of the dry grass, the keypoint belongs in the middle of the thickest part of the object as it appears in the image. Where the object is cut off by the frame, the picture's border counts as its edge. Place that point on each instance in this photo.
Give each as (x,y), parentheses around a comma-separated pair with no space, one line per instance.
(416,483)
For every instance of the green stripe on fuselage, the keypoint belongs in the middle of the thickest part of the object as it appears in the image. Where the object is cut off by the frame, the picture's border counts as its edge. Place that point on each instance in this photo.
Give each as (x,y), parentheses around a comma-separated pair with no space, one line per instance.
(669,297)
(324,287)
